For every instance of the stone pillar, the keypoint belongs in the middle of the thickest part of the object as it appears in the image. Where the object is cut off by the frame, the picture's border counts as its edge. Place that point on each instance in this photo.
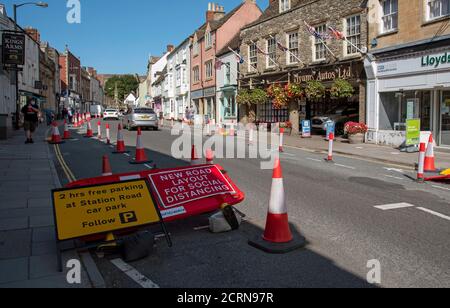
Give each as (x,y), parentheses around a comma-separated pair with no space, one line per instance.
(362,102)
(294,117)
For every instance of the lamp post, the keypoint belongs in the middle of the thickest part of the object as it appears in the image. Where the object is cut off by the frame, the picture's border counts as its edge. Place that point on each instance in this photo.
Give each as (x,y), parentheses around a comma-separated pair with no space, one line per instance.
(16,6)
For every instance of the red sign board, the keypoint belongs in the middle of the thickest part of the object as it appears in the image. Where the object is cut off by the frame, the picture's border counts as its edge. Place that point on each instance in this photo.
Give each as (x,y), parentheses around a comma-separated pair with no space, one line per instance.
(177,188)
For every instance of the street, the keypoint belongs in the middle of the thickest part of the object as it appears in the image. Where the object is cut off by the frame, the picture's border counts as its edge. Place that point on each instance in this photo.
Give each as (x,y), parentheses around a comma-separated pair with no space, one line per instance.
(351,211)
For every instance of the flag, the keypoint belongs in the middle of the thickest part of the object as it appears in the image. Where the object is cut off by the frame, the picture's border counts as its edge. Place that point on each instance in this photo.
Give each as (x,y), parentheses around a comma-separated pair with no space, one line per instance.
(313,32)
(240,58)
(281,47)
(337,34)
(219,64)
(260,50)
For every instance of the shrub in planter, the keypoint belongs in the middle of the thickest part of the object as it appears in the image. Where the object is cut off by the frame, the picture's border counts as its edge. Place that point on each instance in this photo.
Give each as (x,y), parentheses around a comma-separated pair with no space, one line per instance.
(352,128)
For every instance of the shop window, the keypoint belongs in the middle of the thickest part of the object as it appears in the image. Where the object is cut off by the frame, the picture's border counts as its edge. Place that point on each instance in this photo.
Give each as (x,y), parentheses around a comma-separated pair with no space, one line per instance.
(230,107)
(397,107)
(267,114)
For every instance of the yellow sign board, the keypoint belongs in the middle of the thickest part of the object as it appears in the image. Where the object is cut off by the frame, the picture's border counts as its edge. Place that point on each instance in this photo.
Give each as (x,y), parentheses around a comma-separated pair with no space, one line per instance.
(84,211)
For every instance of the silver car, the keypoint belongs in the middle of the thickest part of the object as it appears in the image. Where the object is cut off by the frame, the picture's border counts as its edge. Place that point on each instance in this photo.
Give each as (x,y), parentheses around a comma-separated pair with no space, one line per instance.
(140,117)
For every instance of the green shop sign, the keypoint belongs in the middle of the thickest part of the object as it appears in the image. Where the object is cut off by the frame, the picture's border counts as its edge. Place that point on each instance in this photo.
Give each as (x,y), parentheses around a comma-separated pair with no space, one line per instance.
(436,61)
(412,132)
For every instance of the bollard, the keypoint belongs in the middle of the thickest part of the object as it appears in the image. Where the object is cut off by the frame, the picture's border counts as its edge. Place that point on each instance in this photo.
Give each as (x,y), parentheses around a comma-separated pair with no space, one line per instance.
(330,148)
(108,137)
(281,140)
(421,169)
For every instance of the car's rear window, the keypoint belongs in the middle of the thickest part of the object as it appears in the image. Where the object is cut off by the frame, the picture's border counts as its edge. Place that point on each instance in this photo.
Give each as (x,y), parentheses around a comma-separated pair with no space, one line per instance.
(144,111)
(111,110)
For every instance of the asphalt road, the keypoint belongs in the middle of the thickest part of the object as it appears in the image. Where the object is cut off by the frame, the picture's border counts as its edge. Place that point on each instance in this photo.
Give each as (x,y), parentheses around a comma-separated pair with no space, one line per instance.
(335,206)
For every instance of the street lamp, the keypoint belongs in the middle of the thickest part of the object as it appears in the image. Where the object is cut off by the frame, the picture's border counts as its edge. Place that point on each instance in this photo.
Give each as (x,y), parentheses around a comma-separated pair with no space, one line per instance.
(16,6)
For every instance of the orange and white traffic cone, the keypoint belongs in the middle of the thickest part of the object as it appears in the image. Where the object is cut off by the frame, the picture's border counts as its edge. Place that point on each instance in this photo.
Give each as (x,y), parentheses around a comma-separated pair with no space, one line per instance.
(141,156)
(89,132)
(99,130)
(66,135)
(277,236)
(209,157)
(330,148)
(194,156)
(108,135)
(106,170)
(281,140)
(430,165)
(56,137)
(120,147)
(421,168)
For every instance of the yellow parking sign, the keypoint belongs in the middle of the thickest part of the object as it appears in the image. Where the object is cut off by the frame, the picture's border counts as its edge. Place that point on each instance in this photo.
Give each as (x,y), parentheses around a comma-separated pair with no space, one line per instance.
(85,211)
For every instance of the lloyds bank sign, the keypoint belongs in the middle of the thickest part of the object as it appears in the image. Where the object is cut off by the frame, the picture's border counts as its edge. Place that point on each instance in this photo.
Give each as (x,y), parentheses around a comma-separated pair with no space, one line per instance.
(436,61)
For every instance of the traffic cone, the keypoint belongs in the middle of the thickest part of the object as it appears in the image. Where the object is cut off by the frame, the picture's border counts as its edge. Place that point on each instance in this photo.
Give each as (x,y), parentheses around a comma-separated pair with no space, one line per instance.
(66,131)
(99,130)
(330,148)
(89,133)
(281,139)
(106,170)
(251,136)
(277,236)
(421,167)
(209,157)
(194,156)
(108,136)
(141,157)
(429,165)
(56,137)
(120,148)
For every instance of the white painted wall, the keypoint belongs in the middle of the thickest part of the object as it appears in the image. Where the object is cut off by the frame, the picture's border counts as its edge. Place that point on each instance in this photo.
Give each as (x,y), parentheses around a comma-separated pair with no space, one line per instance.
(7,79)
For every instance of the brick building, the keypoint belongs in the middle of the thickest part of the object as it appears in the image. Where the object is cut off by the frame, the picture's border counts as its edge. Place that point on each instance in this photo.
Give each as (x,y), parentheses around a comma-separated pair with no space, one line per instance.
(282,26)
(408,69)
(70,79)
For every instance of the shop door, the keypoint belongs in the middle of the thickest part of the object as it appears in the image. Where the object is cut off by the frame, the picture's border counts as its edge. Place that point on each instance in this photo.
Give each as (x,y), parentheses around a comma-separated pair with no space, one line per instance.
(445,119)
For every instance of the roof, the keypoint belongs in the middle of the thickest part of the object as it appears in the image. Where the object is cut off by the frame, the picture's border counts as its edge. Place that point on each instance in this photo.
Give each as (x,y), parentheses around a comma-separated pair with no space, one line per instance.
(234,44)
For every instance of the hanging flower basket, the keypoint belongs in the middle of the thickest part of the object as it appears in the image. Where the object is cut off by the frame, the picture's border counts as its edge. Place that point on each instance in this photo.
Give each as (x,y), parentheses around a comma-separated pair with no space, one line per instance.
(341,89)
(294,91)
(314,90)
(252,97)
(278,95)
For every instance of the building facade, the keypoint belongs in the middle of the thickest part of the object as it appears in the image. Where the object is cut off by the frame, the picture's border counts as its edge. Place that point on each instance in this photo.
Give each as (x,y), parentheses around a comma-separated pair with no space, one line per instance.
(215,34)
(281,49)
(408,70)
(70,80)
(29,78)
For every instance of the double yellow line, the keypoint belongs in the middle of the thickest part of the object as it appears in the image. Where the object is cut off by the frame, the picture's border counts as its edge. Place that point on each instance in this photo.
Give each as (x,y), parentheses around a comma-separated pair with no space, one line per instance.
(70,177)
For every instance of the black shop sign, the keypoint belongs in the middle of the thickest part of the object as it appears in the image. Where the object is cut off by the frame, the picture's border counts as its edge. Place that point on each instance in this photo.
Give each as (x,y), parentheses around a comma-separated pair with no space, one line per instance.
(13,49)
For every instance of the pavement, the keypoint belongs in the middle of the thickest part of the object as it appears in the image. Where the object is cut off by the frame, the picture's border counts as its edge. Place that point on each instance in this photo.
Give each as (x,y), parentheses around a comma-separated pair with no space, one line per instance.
(351,212)
(27,232)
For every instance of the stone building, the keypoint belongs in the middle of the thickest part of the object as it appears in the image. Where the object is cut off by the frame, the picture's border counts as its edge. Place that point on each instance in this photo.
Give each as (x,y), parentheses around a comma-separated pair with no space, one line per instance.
(408,70)
(279,49)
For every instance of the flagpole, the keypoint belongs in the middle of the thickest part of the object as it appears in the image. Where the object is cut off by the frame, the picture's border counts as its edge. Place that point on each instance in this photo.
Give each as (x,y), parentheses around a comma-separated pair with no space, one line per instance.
(357,48)
(291,53)
(318,36)
(267,55)
(240,57)
(229,65)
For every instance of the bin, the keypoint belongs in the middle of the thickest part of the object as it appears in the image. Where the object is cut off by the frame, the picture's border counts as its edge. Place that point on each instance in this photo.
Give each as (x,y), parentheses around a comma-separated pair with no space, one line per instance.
(3,126)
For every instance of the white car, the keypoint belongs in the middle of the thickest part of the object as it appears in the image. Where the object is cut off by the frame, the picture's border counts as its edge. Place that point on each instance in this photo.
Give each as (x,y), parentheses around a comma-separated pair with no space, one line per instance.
(111,114)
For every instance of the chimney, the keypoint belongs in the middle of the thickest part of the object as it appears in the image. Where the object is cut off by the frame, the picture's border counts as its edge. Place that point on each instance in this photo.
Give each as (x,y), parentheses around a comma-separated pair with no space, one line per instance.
(34,33)
(170,48)
(215,12)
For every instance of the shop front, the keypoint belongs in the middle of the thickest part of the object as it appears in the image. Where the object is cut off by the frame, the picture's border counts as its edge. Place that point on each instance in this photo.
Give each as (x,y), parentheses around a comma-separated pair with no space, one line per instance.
(227,109)
(412,84)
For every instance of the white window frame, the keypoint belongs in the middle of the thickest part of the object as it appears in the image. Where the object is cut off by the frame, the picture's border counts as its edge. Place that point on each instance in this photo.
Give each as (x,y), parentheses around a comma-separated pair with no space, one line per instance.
(316,42)
(350,36)
(208,40)
(269,63)
(391,17)
(209,69)
(442,13)
(284,5)
(252,54)
(291,50)
(195,48)
(196,73)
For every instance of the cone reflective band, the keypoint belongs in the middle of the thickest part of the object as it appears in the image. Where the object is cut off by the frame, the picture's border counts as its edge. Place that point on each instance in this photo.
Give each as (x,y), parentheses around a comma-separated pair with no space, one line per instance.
(99,130)
(108,137)
(429,164)
(66,131)
(120,148)
(210,157)
(56,137)
(281,139)
(208,129)
(194,157)
(251,136)
(106,168)
(141,156)
(89,133)
(420,172)
(330,148)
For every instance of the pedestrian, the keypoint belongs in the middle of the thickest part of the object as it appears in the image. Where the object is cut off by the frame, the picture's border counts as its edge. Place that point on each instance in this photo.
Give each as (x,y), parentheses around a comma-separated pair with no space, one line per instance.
(70,114)
(30,112)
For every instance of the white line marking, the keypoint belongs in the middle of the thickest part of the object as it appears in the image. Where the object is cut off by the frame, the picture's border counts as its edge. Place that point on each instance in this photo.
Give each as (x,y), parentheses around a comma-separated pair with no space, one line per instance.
(444,188)
(344,166)
(393,177)
(313,159)
(134,274)
(395,206)
(126,154)
(434,213)
(149,167)
(130,177)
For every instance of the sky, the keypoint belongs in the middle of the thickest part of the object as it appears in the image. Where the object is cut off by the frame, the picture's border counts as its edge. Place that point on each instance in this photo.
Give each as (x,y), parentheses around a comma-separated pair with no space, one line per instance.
(117,37)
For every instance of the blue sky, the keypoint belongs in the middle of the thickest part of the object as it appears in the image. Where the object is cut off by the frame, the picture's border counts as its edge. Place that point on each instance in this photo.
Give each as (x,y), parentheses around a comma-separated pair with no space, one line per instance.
(118,36)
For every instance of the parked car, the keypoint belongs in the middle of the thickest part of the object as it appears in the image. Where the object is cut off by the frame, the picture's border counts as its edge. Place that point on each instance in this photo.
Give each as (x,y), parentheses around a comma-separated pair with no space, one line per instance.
(111,114)
(140,117)
(339,116)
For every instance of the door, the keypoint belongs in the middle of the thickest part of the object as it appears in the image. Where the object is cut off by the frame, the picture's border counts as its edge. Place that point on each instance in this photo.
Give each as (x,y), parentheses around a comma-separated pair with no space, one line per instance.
(445,118)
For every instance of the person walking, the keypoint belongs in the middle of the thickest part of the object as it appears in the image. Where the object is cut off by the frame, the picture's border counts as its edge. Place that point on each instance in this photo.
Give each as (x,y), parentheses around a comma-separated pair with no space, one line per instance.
(30,113)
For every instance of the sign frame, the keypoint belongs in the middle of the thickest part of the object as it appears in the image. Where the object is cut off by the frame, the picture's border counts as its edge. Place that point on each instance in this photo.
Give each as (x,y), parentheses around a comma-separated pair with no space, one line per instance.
(5,54)
(155,205)
(306,129)
(413,135)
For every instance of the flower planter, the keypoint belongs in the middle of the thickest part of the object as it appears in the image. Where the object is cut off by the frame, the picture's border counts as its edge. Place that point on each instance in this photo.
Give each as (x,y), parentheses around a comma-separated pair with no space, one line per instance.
(356,139)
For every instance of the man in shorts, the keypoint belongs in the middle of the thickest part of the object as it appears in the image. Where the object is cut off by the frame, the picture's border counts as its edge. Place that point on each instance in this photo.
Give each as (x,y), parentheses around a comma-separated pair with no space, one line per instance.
(30,113)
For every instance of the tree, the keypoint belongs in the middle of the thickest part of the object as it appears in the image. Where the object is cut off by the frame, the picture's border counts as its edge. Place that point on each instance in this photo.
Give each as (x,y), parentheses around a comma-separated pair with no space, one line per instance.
(125,85)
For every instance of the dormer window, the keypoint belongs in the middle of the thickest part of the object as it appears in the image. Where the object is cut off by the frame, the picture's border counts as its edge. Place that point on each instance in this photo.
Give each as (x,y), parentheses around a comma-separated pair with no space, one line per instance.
(285,5)
(208,39)
(195,48)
